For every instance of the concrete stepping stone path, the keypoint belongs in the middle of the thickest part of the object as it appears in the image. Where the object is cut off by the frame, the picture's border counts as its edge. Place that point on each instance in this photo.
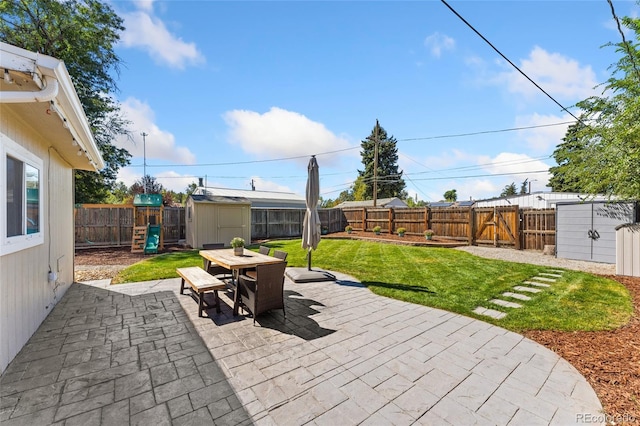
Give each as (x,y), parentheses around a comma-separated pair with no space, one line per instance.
(533,286)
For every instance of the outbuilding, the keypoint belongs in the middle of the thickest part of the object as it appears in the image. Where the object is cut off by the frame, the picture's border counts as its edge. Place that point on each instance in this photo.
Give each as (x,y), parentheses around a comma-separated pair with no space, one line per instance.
(44,137)
(587,231)
(217,219)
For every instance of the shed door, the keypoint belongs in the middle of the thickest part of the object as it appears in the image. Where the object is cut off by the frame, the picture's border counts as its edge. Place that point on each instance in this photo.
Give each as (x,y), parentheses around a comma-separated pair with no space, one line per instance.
(587,231)
(231,223)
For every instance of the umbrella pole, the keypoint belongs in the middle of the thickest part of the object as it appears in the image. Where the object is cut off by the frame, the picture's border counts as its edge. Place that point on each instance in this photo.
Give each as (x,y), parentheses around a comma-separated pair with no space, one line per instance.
(309,260)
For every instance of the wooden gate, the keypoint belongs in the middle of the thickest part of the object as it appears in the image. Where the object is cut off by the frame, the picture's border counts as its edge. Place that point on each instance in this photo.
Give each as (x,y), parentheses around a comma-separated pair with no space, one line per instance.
(498,226)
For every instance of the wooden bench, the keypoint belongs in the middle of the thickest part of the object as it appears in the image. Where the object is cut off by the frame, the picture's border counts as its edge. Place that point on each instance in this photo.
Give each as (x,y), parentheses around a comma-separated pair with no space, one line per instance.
(201,282)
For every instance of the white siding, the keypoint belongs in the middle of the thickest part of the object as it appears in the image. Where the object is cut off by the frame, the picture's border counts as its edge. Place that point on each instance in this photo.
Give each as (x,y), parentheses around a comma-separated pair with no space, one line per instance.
(26,297)
(628,250)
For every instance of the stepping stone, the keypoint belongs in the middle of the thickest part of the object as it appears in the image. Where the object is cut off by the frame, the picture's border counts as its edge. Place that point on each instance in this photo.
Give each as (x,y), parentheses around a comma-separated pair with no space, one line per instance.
(548,274)
(527,289)
(505,303)
(550,280)
(536,284)
(489,312)
(516,295)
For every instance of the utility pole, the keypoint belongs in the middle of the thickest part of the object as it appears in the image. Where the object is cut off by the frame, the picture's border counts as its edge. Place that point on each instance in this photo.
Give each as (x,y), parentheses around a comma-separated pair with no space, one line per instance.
(144,160)
(375,165)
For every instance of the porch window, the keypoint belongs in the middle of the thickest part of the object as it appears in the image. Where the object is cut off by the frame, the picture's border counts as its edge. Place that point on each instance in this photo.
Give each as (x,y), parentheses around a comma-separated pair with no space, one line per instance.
(22,198)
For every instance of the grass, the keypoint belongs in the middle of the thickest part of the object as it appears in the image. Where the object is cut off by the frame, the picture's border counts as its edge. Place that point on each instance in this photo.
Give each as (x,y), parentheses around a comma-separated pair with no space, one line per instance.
(443,278)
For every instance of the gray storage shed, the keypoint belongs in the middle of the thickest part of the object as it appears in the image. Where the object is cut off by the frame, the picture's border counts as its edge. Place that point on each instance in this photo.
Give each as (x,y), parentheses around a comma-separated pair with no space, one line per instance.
(211,219)
(587,230)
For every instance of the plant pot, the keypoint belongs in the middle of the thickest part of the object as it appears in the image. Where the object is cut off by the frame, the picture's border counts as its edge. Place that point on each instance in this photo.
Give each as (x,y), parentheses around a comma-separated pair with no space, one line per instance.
(401,234)
(377,232)
(429,237)
(238,251)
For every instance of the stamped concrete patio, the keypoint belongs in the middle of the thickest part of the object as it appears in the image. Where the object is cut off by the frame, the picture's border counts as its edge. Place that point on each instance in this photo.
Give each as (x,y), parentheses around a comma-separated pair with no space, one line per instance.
(139,354)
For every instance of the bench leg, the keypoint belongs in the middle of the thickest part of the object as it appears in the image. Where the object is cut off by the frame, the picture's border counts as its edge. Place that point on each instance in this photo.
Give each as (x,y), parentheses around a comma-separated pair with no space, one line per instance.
(182,286)
(217,298)
(200,303)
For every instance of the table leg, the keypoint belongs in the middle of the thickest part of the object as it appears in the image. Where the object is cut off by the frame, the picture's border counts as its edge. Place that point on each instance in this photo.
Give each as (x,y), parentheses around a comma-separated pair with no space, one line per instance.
(236,291)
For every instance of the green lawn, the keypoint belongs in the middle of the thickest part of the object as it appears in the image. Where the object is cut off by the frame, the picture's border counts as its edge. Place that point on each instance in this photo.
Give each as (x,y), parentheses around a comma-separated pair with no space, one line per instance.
(443,278)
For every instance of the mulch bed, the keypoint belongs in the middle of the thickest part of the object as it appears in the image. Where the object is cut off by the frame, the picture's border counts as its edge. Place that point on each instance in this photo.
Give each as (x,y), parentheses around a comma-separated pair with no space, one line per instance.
(609,360)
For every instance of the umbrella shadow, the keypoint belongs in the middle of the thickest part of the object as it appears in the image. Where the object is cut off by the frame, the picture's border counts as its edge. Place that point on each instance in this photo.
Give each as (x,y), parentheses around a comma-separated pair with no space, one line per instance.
(398,286)
(298,321)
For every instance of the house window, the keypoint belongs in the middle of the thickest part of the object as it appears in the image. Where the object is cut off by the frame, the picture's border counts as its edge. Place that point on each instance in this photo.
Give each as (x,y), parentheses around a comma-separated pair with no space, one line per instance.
(21,208)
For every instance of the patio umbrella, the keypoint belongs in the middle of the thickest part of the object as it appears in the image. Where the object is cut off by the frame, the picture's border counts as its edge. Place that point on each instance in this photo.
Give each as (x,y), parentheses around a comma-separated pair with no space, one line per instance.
(311,225)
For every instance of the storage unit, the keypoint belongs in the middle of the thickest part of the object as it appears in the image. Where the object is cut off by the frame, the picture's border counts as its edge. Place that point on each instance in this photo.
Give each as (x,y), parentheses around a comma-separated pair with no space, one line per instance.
(628,249)
(212,219)
(587,231)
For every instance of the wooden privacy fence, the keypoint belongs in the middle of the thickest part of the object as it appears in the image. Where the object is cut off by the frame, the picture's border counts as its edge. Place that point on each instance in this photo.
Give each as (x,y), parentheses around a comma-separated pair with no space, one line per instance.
(111,225)
(498,226)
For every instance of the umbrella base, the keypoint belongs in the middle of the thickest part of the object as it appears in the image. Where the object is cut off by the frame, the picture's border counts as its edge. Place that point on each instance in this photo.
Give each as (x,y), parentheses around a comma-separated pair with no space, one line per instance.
(304,275)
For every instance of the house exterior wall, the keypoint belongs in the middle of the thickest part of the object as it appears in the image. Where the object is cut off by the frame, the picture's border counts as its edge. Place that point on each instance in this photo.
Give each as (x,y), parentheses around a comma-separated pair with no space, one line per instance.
(26,295)
(538,200)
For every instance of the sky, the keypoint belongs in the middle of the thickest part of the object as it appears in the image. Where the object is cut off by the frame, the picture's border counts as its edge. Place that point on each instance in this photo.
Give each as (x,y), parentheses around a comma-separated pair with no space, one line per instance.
(240,93)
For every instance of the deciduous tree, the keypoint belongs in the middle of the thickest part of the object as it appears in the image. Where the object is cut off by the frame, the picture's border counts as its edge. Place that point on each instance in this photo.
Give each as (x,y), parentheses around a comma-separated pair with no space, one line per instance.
(82,33)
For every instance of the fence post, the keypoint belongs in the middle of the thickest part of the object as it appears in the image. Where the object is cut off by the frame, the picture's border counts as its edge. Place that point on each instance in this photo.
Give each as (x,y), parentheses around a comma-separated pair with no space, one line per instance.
(390,220)
(364,219)
(472,222)
(495,227)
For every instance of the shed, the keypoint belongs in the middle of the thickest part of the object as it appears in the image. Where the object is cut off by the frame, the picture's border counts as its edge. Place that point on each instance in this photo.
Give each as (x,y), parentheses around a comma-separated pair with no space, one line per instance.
(587,231)
(214,219)
(44,136)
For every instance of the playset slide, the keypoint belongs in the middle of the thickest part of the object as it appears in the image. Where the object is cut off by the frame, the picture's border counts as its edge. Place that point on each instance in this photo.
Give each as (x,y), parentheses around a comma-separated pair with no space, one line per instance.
(153,239)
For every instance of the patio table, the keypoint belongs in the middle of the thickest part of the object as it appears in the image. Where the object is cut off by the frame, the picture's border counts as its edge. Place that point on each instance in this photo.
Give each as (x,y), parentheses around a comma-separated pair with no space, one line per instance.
(227,259)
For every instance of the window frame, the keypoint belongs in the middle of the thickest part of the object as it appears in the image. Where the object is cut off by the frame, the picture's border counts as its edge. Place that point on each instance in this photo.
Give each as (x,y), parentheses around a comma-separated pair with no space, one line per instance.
(16,243)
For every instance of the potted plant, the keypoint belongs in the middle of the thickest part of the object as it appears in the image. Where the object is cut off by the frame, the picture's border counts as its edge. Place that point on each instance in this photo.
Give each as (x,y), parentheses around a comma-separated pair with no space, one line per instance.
(348,229)
(377,230)
(238,246)
(401,231)
(428,234)
(324,230)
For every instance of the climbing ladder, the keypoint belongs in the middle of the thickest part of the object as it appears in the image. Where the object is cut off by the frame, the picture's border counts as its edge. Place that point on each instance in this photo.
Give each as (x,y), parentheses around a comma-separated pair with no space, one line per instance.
(138,239)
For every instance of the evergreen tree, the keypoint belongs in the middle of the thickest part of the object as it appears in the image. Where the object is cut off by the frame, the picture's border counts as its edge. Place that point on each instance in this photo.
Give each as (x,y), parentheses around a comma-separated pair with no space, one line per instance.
(389,179)
(509,190)
(82,33)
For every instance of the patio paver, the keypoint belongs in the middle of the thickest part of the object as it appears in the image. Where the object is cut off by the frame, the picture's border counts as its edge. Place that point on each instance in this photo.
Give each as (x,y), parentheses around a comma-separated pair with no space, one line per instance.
(139,353)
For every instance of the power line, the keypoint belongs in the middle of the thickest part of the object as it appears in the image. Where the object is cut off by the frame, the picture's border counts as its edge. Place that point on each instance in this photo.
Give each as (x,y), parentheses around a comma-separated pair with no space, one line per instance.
(487,132)
(511,63)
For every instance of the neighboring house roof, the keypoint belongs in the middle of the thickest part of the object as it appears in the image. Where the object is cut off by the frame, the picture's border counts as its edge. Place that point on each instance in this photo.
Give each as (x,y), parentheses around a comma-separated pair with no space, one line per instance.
(38,89)
(539,200)
(267,199)
(380,202)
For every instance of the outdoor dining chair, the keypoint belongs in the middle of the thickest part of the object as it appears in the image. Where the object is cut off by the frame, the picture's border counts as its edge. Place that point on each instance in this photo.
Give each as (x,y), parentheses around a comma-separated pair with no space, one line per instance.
(211,267)
(280,254)
(264,292)
(251,272)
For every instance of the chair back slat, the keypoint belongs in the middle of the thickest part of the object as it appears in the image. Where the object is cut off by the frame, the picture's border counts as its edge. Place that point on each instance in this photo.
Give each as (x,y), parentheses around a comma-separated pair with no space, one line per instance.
(280,254)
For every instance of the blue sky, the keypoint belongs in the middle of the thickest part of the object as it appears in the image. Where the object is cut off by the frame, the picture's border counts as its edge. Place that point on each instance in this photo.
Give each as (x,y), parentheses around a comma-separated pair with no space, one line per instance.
(240,91)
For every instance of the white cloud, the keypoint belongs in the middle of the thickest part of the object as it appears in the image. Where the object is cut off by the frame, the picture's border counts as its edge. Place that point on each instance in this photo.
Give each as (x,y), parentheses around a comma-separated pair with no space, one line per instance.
(280,133)
(160,144)
(560,76)
(437,42)
(516,167)
(542,139)
(149,33)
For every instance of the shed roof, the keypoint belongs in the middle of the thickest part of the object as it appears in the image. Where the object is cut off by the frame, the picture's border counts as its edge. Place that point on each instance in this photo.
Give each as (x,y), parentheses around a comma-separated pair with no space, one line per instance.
(215,199)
